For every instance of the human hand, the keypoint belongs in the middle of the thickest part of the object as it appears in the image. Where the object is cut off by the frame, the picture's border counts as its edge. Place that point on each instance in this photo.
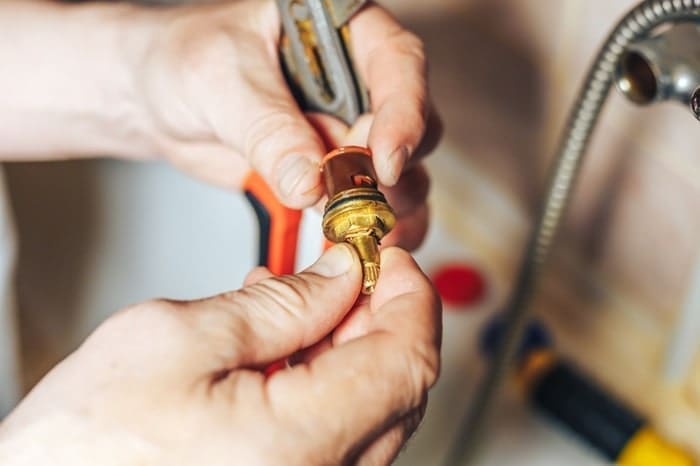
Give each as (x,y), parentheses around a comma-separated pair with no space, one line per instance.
(180,383)
(215,99)
(201,85)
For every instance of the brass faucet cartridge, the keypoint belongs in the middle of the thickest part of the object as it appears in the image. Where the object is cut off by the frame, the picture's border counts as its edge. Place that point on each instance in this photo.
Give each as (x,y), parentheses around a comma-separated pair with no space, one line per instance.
(356,212)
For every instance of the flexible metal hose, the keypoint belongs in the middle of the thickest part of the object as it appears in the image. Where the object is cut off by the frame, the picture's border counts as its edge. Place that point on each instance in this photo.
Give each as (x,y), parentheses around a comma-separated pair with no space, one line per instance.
(637,23)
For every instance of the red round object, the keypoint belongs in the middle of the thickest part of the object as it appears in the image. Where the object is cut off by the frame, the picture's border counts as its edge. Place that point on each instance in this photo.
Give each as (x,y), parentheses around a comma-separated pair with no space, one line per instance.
(460,284)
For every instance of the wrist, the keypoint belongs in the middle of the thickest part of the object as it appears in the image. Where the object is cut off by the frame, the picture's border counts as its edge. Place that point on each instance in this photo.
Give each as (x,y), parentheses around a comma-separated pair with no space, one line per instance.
(124,34)
(67,440)
(68,79)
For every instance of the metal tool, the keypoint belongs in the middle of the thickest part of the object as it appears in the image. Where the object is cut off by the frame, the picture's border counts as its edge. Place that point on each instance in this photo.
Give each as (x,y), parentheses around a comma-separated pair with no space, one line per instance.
(663,67)
(316,56)
(356,212)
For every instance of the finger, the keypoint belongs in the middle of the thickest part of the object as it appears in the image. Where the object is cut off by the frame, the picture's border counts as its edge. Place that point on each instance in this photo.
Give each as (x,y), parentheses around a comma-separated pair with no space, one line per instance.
(357,323)
(277,316)
(410,231)
(335,133)
(392,63)
(434,130)
(400,281)
(235,92)
(272,133)
(285,150)
(410,192)
(386,448)
(399,357)
(358,134)
(256,275)
(331,130)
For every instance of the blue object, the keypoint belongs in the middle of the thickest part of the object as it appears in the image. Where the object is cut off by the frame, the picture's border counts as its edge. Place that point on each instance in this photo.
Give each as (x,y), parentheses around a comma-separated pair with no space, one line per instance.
(536,336)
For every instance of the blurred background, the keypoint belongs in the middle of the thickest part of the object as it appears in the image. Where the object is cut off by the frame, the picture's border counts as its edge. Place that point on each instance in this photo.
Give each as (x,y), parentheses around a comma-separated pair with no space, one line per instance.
(95,236)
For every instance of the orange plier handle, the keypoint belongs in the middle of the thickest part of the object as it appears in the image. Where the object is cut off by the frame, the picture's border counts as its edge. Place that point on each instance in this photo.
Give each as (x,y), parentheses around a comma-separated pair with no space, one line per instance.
(278,235)
(278,224)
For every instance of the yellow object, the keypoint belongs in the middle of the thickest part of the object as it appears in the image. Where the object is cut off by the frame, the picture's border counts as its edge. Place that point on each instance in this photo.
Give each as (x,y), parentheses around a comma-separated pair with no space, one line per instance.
(356,212)
(646,448)
(537,363)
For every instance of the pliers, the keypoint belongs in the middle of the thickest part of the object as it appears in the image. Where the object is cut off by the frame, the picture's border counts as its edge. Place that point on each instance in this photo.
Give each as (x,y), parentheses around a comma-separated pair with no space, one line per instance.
(316,58)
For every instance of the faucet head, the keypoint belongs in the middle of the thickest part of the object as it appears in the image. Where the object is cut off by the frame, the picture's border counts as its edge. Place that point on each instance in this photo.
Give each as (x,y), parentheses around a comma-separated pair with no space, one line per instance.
(663,67)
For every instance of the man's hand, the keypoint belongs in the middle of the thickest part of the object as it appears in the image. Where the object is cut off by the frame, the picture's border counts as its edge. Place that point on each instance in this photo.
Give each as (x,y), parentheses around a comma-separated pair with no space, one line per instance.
(217,100)
(216,93)
(167,383)
(201,85)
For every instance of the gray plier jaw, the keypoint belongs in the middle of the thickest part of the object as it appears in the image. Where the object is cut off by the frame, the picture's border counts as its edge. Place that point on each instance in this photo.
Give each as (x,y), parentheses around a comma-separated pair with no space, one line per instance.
(316,57)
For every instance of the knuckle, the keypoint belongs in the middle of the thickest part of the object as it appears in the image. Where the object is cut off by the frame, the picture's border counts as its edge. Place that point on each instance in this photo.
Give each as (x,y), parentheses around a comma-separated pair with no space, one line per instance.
(418,107)
(413,107)
(222,310)
(413,45)
(425,365)
(413,187)
(263,134)
(409,45)
(205,55)
(288,294)
(416,374)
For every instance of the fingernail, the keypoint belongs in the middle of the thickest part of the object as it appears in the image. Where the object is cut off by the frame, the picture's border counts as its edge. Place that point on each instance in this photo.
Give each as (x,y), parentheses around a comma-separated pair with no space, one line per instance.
(334,262)
(293,172)
(396,162)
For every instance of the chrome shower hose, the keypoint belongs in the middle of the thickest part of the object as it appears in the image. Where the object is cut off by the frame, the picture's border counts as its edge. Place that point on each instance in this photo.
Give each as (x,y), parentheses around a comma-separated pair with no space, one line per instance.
(637,23)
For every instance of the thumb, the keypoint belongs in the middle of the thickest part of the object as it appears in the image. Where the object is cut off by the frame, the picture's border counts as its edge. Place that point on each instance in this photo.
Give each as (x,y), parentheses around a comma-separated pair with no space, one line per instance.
(278,316)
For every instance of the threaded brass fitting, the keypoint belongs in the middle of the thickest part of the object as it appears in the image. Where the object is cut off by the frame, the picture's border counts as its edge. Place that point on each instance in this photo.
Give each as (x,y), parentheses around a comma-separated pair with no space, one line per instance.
(356,212)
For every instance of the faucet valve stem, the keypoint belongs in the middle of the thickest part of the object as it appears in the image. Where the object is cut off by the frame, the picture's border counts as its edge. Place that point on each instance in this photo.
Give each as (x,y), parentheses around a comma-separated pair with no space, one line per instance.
(356,212)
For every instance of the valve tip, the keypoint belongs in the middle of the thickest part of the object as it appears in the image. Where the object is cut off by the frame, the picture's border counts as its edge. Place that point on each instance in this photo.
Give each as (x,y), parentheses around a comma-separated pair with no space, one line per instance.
(370,277)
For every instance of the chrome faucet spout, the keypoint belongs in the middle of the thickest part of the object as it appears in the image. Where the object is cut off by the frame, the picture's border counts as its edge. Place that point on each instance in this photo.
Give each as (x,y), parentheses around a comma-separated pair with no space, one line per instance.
(663,67)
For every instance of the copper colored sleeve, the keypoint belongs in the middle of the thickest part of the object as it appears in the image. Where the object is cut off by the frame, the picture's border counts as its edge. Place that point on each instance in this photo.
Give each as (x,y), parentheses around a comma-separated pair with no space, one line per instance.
(353,170)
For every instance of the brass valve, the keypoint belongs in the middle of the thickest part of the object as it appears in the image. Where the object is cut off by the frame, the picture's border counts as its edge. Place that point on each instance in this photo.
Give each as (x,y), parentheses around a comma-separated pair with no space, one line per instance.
(356,212)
